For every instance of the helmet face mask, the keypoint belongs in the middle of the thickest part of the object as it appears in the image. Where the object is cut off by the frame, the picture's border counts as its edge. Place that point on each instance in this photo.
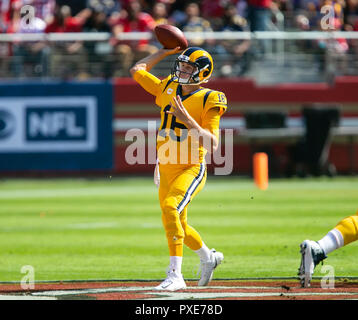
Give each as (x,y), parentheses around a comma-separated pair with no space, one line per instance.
(184,72)
(201,62)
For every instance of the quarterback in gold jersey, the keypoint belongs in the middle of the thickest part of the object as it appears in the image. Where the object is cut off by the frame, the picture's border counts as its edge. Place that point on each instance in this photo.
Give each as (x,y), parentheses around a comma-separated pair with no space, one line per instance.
(190,117)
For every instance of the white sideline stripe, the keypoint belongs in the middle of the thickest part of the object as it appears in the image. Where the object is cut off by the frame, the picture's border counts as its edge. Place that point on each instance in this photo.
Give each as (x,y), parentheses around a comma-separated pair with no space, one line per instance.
(90,291)
(22,297)
(167,295)
(124,289)
(208,295)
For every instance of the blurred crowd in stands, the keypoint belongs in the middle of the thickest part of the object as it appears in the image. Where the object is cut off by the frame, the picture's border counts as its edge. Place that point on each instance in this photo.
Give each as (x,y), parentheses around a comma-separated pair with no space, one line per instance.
(118,16)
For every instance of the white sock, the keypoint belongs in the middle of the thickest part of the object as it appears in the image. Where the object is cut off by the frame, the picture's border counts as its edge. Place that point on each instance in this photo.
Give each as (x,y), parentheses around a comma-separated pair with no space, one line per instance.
(175,264)
(331,241)
(204,253)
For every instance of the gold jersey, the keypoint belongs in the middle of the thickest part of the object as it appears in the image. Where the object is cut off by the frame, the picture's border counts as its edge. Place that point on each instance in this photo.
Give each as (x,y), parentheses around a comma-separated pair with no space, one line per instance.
(176,145)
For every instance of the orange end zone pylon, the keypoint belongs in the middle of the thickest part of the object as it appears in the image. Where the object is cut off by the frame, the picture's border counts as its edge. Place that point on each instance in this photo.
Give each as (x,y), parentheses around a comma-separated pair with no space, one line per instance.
(260,166)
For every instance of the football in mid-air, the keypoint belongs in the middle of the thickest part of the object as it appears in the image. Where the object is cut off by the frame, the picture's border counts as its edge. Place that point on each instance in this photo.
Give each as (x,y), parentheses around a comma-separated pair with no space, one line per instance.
(170,36)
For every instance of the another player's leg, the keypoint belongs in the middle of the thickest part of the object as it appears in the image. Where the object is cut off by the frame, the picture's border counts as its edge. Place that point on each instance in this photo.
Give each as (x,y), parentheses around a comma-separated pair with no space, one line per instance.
(313,252)
(311,255)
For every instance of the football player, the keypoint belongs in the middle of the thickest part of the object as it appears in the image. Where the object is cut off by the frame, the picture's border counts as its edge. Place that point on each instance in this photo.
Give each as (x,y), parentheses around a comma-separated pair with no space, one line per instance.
(313,252)
(190,116)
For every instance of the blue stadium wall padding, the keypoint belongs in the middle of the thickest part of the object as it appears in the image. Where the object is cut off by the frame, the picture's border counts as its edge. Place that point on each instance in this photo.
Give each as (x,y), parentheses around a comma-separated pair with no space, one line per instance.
(56,125)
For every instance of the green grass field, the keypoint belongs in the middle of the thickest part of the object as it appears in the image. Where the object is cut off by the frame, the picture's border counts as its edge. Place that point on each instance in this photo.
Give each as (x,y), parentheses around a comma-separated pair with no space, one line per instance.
(111,228)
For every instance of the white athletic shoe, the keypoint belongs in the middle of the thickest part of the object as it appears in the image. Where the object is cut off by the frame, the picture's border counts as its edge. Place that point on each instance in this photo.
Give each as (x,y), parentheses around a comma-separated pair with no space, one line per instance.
(173,282)
(208,267)
(311,255)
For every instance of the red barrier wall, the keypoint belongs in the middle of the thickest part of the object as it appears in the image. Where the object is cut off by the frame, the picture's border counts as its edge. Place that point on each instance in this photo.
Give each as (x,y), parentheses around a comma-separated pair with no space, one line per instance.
(132,102)
(245,90)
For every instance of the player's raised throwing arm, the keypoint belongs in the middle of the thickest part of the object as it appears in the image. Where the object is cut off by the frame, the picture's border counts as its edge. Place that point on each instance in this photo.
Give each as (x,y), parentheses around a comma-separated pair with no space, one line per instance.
(150,61)
(140,71)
